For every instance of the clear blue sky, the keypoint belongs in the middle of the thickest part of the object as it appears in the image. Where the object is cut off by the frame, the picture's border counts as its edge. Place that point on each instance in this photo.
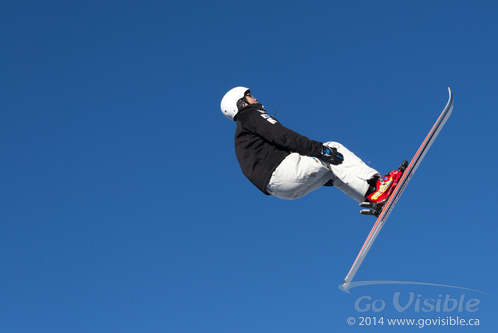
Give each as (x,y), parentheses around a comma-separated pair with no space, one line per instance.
(123,208)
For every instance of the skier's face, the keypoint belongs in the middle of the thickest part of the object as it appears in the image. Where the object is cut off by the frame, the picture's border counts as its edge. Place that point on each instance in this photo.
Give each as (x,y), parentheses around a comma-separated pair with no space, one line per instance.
(250,99)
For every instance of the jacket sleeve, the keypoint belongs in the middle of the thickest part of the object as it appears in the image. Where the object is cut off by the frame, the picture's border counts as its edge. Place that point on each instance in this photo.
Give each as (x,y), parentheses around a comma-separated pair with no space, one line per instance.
(275,133)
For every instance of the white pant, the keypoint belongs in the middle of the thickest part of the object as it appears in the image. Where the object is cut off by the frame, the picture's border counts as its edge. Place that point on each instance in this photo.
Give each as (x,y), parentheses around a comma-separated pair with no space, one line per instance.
(298,175)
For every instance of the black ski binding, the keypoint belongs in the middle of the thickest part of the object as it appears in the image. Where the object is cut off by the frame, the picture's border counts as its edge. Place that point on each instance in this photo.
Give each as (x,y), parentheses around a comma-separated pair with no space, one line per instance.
(403,166)
(373,208)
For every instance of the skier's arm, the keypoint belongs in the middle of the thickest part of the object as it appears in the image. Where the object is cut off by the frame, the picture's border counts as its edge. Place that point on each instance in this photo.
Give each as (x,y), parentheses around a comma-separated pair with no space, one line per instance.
(272,131)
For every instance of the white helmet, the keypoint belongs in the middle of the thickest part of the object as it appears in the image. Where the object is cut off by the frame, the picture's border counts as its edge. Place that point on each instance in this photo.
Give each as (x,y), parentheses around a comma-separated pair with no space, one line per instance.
(230,103)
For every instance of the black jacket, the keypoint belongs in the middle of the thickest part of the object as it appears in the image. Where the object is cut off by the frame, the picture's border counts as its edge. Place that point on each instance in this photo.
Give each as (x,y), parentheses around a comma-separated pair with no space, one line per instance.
(261,143)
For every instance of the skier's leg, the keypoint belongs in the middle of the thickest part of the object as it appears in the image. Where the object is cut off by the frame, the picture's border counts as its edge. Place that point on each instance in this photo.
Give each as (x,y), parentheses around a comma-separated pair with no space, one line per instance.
(297,176)
(351,176)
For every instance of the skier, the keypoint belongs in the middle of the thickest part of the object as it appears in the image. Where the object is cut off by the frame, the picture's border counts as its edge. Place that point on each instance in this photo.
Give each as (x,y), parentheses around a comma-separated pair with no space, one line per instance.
(287,165)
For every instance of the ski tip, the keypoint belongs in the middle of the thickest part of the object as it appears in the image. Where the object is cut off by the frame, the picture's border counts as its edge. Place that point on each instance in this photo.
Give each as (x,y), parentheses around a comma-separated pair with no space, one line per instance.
(450,93)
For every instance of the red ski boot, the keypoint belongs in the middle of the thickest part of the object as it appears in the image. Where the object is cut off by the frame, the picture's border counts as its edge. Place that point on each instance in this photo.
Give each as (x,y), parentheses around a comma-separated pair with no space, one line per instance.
(381,189)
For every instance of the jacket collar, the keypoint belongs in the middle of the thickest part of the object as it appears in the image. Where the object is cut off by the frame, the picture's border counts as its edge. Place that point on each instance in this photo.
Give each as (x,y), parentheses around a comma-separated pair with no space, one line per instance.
(250,107)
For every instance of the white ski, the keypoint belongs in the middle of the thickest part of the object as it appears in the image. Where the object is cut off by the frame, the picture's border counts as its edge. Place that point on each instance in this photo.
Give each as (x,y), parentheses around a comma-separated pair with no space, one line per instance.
(407,175)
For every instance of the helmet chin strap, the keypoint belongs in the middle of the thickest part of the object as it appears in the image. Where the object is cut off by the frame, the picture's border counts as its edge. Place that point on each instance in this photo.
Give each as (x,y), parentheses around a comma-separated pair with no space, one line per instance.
(241,103)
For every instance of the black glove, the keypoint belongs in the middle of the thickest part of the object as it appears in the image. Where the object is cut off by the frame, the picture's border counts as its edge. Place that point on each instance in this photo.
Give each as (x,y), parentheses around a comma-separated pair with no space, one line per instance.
(331,155)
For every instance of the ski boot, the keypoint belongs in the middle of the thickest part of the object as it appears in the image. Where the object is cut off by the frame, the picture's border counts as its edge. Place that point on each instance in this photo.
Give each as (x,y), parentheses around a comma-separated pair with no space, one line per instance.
(380,191)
